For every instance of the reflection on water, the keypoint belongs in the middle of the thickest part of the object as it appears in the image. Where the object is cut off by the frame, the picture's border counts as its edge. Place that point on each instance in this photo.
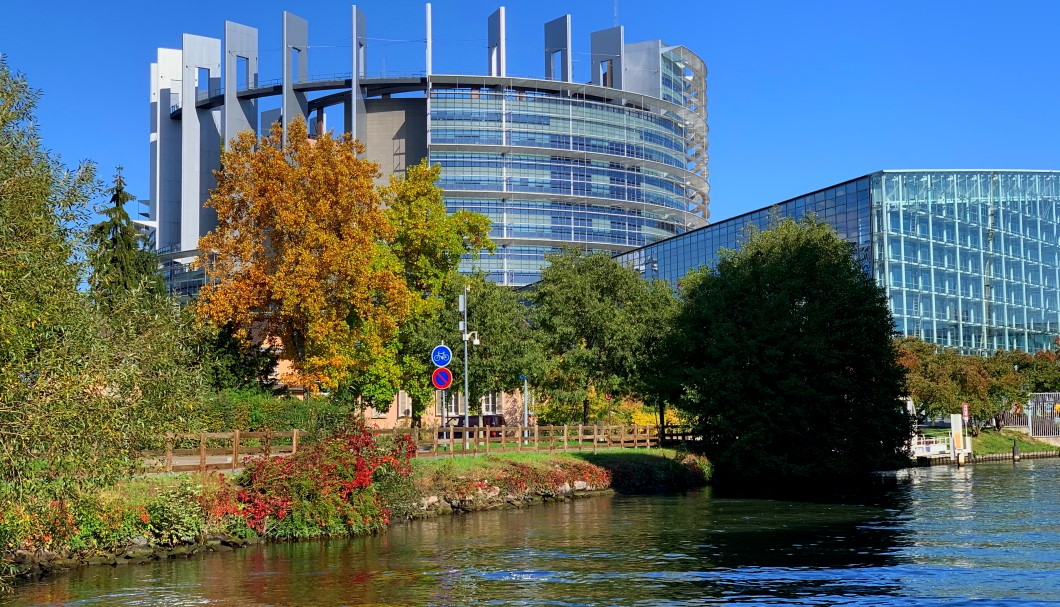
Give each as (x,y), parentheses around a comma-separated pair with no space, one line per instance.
(989,533)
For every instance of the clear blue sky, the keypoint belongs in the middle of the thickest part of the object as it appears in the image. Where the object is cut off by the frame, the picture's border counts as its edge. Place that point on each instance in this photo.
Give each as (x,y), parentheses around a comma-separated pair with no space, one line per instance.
(800,94)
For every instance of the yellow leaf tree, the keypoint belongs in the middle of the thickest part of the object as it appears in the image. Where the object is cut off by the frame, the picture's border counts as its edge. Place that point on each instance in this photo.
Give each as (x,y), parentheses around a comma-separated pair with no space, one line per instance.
(430,243)
(301,253)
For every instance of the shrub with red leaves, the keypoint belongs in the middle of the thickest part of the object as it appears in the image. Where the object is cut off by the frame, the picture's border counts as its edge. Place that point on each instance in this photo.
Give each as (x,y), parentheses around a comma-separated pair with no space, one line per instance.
(327,489)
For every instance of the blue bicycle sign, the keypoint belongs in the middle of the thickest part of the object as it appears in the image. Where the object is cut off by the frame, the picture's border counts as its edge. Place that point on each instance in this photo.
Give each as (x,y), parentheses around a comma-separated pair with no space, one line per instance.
(441,356)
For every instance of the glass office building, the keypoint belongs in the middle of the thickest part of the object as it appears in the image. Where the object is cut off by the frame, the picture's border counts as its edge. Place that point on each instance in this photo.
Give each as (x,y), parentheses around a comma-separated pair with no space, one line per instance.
(552,170)
(610,163)
(969,259)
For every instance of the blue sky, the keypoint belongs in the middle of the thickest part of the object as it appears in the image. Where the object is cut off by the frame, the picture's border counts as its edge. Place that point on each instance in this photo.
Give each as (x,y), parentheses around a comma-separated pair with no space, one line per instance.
(800,94)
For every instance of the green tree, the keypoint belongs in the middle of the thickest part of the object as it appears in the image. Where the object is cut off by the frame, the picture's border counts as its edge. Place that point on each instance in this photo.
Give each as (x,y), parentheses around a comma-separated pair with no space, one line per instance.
(228,363)
(790,368)
(122,263)
(591,317)
(80,391)
(507,348)
(429,242)
(658,382)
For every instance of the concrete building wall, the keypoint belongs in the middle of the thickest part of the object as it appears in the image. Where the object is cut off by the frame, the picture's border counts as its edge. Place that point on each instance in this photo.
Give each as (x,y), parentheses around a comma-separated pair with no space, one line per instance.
(241,42)
(397,133)
(200,140)
(165,148)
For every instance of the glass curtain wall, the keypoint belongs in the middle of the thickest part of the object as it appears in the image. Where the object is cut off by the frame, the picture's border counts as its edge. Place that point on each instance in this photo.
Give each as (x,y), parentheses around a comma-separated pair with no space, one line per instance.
(552,170)
(846,207)
(970,259)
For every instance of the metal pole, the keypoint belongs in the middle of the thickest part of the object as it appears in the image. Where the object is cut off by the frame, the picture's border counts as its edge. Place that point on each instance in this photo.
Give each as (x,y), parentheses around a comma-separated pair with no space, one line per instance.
(464,334)
(526,406)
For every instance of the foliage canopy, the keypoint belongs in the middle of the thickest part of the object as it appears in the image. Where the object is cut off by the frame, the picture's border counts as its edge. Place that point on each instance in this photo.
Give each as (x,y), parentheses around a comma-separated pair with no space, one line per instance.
(300,252)
(788,361)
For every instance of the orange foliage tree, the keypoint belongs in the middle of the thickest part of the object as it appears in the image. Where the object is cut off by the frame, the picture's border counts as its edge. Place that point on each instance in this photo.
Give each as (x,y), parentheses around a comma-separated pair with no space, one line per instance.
(301,252)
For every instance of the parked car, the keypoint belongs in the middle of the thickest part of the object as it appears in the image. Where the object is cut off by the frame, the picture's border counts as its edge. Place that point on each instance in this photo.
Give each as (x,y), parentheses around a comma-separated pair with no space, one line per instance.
(474,421)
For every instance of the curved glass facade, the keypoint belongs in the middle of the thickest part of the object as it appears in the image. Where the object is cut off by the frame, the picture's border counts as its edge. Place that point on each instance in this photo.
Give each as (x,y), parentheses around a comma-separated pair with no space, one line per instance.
(969,259)
(552,169)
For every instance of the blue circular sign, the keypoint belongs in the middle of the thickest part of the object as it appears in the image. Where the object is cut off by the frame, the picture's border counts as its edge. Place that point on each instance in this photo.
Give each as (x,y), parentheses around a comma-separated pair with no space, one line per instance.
(441,356)
(442,378)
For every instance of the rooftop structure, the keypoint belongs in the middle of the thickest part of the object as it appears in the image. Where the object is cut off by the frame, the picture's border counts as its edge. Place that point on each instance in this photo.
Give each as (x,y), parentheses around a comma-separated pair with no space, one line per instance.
(610,164)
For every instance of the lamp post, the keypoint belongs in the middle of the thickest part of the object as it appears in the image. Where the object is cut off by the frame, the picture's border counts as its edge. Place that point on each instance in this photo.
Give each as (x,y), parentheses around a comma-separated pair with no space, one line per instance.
(466,335)
(526,408)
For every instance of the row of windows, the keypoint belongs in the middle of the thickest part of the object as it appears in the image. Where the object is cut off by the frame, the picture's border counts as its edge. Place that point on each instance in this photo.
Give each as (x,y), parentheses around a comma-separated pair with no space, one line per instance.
(558,167)
(497,121)
(556,103)
(577,143)
(565,188)
(546,213)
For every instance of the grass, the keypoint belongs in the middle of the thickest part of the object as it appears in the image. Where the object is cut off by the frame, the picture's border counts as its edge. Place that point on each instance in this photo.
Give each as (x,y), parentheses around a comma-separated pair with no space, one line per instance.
(461,464)
(631,471)
(990,441)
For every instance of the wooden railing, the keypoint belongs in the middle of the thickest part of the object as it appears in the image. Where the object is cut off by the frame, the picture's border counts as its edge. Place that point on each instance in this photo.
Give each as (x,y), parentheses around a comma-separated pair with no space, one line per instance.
(193,452)
(451,441)
(235,447)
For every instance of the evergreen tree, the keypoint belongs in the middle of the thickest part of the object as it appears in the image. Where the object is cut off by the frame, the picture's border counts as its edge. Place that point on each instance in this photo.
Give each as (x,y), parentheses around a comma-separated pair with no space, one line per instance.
(788,361)
(121,261)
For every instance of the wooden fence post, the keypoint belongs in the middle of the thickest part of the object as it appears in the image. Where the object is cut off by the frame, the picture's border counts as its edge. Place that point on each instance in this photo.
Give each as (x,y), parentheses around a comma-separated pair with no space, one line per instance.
(268,444)
(294,441)
(202,453)
(595,442)
(581,437)
(169,452)
(235,450)
(565,447)
(537,438)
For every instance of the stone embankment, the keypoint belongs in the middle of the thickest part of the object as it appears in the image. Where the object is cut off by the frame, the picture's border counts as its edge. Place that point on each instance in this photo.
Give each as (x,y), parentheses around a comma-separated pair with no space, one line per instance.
(494,483)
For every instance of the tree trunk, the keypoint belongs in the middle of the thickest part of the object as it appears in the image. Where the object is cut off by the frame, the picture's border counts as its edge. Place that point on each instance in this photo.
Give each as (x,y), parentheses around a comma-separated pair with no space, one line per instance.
(585,411)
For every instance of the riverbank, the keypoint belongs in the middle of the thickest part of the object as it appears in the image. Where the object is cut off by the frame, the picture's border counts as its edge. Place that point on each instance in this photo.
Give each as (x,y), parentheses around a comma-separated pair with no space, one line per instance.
(327,492)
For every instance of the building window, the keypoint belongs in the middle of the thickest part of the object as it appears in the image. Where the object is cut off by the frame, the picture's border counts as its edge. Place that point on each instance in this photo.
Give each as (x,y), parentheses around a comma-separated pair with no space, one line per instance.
(490,403)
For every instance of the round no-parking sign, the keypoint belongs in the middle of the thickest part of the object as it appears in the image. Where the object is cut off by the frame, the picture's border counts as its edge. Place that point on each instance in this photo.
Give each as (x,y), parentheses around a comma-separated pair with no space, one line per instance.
(442,378)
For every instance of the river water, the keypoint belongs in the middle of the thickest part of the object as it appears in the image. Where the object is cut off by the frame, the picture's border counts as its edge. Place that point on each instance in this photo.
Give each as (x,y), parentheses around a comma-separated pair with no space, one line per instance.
(983,535)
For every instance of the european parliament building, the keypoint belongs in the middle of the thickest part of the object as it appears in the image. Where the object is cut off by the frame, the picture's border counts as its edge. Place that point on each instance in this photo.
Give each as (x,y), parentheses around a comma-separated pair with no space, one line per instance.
(969,259)
(611,164)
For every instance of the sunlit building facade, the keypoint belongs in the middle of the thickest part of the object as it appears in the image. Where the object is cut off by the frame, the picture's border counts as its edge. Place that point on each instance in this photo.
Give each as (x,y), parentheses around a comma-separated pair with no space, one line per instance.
(610,164)
(969,259)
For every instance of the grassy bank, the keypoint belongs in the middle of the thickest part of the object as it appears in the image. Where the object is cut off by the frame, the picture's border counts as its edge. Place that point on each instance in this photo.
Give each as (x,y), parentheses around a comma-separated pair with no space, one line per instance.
(990,442)
(346,485)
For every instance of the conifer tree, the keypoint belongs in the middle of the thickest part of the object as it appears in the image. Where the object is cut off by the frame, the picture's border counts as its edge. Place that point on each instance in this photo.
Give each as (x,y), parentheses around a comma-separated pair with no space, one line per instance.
(121,261)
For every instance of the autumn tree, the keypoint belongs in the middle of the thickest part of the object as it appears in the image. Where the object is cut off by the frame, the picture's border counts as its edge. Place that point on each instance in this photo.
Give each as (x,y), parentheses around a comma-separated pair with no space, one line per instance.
(122,264)
(429,242)
(789,368)
(1043,373)
(940,380)
(301,252)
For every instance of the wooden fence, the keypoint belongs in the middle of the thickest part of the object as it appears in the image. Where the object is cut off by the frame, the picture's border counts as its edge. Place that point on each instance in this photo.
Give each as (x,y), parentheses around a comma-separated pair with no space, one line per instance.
(230,447)
(450,441)
(238,444)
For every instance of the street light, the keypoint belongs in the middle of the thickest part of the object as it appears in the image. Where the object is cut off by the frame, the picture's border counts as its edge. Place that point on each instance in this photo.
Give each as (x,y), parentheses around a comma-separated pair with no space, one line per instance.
(466,335)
